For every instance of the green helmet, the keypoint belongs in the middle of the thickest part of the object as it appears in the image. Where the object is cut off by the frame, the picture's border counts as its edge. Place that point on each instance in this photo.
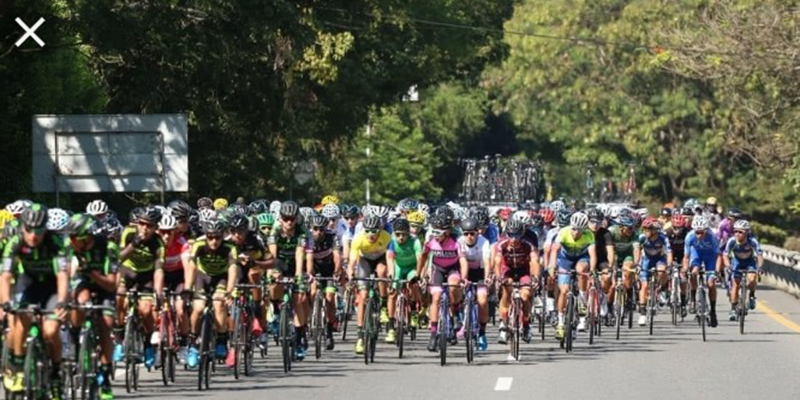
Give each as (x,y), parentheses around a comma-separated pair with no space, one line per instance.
(265,219)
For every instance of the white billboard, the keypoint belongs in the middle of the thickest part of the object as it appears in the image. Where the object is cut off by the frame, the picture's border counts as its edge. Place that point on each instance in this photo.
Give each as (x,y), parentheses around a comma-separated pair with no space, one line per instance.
(110,153)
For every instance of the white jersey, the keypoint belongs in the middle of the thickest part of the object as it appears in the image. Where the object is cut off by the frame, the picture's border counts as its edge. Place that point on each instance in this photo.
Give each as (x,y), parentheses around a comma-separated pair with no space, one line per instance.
(477,255)
(551,236)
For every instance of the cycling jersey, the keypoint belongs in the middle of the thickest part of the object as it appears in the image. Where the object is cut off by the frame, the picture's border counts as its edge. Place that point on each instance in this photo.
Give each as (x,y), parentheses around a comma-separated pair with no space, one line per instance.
(677,241)
(287,245)
(322,250)
(515,260)
(443,255)
(213,261)
(654,248)
(702,251)
(103,257)
(405,255)
(35,269)
(623,245)
(551,236)
(491,233)
(725,232)
(176,251)
(147,255)
(361,246)
(602,238)
(743,255)
(252,246)
(574,248)
(476,253)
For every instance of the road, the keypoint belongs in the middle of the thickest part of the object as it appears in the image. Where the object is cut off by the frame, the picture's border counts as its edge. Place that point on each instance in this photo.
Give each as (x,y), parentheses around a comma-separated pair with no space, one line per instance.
(672,364)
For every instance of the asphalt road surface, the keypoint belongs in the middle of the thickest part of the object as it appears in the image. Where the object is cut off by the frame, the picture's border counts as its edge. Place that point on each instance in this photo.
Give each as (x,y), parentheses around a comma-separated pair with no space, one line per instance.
(674,363)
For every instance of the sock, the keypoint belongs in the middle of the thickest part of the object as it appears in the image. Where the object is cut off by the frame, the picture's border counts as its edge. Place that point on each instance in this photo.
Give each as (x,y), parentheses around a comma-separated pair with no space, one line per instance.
(434,328)
(561,318)
(391,324)
(713,307)
(482,330)
(361,332)
(105,371)
(383,302)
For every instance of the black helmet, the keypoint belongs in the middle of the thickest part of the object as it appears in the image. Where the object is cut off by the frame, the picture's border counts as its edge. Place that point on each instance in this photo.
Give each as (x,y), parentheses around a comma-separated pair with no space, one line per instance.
(289,209)
(563,217)
(687,212)
(258,207)
(625,220)
(205,202)
(734,212)
(372,222)
(318,221)
(134,215)
(241,209)
(469,224)
(401,225)
(666,212)
(239,222)
(180,209)
(350,212)
(151,216)
(214,225)
(515,227)
(34,216)
(595,214)
(441,222)
(80,225)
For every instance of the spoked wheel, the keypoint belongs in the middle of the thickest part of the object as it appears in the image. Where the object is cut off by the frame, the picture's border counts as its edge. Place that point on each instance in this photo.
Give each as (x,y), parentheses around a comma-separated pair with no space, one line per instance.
(569,322)
(34,376)
(619,308)
(401,324)
(165,350)
(317,317)
(348,309)
(206,353)
(651,306)
(702,315)
(742,303)
(237,342)
(286,339)
(133,342)
(468,333)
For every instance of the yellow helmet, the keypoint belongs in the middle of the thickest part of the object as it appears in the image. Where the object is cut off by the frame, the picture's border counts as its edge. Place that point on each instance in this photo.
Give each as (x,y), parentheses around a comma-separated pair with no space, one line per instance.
(711,201)
(5,217)
(416,217)
(220,204)
(329,199)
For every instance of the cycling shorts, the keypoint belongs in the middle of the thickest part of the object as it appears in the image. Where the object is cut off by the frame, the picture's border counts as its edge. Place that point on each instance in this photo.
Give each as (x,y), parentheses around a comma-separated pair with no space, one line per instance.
(649,265)
(366,268)
(203,283)
(441,275)
(141,281)
(566,264)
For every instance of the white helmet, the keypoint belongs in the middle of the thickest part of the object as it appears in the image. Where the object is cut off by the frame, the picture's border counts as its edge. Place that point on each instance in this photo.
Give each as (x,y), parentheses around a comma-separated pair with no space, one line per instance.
(741,225)
(424,208)
(330,211)
(168,222)
(57,219)
(700,223)
(579,221)
(523,217)
(16,207)
(275,208)
(206,214)
(603,208)
(96,207)
(557,206)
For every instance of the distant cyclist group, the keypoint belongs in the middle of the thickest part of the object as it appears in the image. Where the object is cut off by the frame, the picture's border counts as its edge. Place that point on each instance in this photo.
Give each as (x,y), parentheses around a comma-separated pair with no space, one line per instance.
(213,284)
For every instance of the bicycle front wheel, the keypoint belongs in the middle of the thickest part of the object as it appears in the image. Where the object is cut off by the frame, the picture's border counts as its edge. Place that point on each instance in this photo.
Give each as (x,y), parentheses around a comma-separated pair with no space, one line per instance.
(651,305)
(34,371)
(468,321)
(592,302)
(400,319)
(569,322)
(742,302)
(286,338)
(619,308)
(237,343)
(317,328)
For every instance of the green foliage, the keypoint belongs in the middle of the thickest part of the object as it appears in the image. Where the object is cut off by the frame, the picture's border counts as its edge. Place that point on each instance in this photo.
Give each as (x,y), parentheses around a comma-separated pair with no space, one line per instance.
(768,234)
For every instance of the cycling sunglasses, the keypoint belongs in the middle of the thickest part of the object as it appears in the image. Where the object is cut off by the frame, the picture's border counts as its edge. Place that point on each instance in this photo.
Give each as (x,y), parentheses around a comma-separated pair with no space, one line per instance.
(37,231)
(214,237)
(470,233)
(438,232)
(371,231)
(739,232)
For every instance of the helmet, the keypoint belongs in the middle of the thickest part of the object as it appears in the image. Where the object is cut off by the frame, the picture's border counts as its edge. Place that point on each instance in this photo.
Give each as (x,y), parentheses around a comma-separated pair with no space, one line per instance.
(459,213)
(401,225)
(289,209)
(595,215)
(614,212)
(547,215)
(258,207)
(441,222)
(151,216)
(444,212)
(220,204)
(687,211)
(239,222)
(679,221)
(134,215)
(5,217)
(557,206)
(407,205)
(579,221)
(275,208)
(168,222)
(97,207)
(651,223)
(690,203)
(563,217)
(265,219)
(416,217)
(318,221)
(80,225)
(666,212)
(329,199)
(423,208)
(351,212)
(180,209)
(700,223)
(35,216)
(205,202)
(626,221)
(742,225)
(113,228)
(514,227)
(206,214)
(10,230)
(469,224)
(711,201)
(214,225)
(603,208)
(382,211)
(240,209)
(16,207)
(307,213)
(735,213)
(372,222)
(57,219)
(330,211)
(523,216)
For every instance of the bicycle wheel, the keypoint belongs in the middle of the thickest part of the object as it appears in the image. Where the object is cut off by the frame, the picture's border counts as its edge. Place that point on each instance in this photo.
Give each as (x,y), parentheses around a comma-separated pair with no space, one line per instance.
(630,304)
(701,298)
(34,367)
(591,299)
(165,346)
(376,326)
(87,366)
(400,320)
(317,323)
(742,302)
(675,299)
(348,309)
(569,322)
(651,305)
(468,321)
(543,311)
(619,307)
(517,329)
(286,338)
(131,355)
(444,328)
(237,343)
(69,380)
(368,329)
(206,350)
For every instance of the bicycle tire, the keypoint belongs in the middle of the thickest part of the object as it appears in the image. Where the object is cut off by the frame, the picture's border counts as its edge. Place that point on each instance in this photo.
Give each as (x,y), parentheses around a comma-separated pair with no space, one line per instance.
(68,379)
(400,320)
(569,322)
(742,302)
(163,331)
(702,299)
(619,304)
(206,351)
(543,313)
(368,329)
(443,329)
(517,329)
(591,297)
(34,374)
(630,305)
(317,328)
(468,328)
(376,326)
(87,365)
(348,304)
(131,356)
(236,340)
(651,305)
(285,338)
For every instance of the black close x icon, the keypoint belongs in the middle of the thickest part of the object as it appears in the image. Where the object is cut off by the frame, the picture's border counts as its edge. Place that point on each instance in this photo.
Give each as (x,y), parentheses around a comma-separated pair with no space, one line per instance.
(30,32)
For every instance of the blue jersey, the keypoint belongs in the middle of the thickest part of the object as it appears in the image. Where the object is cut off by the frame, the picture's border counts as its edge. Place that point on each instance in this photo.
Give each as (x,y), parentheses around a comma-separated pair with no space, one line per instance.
(491,233)
(707,246)
(746,251)
(655,248)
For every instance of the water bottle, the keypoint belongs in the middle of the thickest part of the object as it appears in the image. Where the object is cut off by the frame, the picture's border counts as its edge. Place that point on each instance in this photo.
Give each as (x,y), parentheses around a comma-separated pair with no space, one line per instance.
(66,343)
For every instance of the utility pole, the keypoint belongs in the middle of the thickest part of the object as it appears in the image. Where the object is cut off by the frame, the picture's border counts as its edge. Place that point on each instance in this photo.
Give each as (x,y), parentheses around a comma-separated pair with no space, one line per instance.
(369,154)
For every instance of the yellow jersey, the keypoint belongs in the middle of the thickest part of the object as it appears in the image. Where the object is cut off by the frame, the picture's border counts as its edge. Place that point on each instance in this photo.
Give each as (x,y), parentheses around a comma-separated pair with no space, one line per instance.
(361,246)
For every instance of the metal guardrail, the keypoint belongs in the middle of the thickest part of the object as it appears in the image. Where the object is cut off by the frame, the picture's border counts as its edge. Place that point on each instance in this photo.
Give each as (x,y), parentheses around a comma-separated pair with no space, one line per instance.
(782,269)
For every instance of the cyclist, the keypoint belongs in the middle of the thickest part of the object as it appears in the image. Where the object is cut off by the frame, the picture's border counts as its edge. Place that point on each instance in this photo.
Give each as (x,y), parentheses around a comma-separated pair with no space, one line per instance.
(666,217)
(350,216)
(725,231)
(711,212)
(402,257)
(702,250)
(178,252)
(626,241)
(254,260)
(417,221)
(476,266)
(213,268)
(574,248)
(654,252)
(265,223)
(516,261)
(743,254)
(444,253)
(676,234)
(142,256)
(323,258)
(287,247)
(34,273)
(95,262)
(604,245)
(182,213)
(368,252)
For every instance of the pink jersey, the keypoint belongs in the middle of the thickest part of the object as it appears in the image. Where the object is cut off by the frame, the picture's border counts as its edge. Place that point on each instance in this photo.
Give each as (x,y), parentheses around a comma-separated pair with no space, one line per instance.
(175,252)
(443,255)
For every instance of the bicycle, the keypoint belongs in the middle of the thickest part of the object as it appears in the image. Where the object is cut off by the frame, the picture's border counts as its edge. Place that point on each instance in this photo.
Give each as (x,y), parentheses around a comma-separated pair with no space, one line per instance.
(168,335)
(652,299)
(286,323)
(702,314)
(402,314)
(594,298)
(675,294)
(37,365)
(243,343)
(318,315)
(89,350)
(571,317)
(347,310)
(445,324)
(471,324)
(372,317)
(542,308)
(208,339)
(133,342)
(515,317)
